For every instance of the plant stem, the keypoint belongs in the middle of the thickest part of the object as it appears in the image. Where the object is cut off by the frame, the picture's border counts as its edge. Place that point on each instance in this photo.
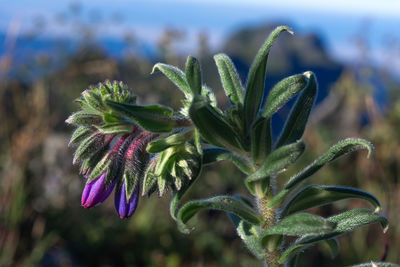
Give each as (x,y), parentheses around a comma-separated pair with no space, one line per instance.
(272,252)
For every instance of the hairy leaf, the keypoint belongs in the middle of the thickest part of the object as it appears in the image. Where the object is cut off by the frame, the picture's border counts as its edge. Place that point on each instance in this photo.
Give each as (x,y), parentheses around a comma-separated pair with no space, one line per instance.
(193,75)
(341,148)
(256,78)
(296,122)
(224,203)
(213,154)
(299,224)
(278,161)
(282,92)
(260,139)
(212,124)
(346,222)
(83,118)
(230,79)
(175,75)
(250,235)
(317,195)
(153,118)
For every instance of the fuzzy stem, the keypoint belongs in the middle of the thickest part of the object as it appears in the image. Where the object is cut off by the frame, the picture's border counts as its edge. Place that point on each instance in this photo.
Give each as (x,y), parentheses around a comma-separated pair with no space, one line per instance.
(272,252)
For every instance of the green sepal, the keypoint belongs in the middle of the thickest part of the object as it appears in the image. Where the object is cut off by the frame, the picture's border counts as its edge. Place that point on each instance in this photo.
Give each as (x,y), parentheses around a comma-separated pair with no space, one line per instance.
(178,194)
(153,118)
(80,133)
(214,154)
(224,203)
(149,179)
(346,222)
(296,122)
(193,75)
(250,235)
(256,78)
(318,195)
(276,162)
(341,148)
(161,144)
(260,139)
(101,167)
(230,79)
(83,118)
(115,128)
(175,75)
(282,92)
(134,171)
(88,147)
(298,224)
(212,125)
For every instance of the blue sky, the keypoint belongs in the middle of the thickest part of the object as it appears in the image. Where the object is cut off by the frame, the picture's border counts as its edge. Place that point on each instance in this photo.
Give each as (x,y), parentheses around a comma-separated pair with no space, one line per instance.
(337,20)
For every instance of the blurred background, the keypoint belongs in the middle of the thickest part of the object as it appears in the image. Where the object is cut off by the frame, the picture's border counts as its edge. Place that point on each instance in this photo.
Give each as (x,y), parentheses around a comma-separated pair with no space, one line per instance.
(50,51)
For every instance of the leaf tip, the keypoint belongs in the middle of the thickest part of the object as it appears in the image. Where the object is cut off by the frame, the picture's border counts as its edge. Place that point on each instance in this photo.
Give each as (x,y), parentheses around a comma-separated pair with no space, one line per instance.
(155,68)
(385,229)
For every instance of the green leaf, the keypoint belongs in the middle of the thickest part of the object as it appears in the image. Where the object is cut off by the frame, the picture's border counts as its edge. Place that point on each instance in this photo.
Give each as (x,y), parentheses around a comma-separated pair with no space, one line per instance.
(298,224)
(376,264)
(278,161)
(153,118)
(250,235)
(161,144)
(346,222)
(282,92)
(175,75)
(193,75)
(213,154)
(83,118)
(212,125)
(230,79)
(81,133)
(260,139)
(341,148)
(297,119)
(149,179)
(317,195)
(224,203)
(256,78)
(115,128)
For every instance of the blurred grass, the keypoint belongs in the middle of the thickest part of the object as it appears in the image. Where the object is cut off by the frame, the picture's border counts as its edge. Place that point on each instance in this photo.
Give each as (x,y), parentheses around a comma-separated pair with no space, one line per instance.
(42,223)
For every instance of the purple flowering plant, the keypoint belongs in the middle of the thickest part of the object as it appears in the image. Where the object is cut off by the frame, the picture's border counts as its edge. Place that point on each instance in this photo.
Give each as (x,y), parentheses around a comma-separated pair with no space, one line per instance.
(142,149)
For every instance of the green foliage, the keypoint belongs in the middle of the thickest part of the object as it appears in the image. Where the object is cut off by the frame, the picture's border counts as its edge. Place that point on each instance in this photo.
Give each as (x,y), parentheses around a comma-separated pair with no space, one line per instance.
(224,203)
(317,195)
(230,79)
(256,78)
(200,133)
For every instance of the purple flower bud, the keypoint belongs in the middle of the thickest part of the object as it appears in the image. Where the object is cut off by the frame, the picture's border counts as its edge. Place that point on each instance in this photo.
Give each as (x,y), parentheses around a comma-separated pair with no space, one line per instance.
(124,207)
(95,192)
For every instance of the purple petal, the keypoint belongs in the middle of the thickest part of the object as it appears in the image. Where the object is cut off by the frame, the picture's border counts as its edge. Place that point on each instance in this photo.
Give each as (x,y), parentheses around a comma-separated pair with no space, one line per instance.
(94,192)
(126,208)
